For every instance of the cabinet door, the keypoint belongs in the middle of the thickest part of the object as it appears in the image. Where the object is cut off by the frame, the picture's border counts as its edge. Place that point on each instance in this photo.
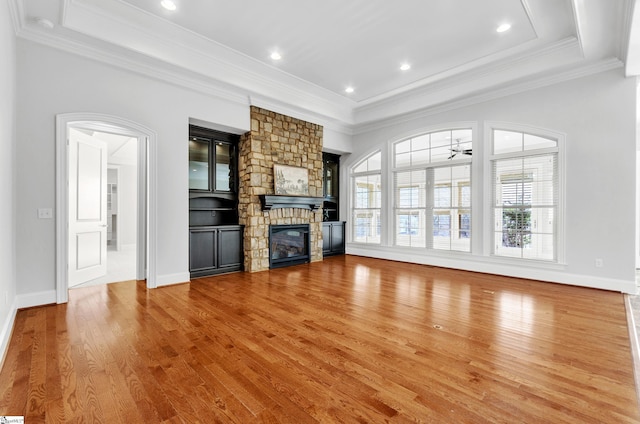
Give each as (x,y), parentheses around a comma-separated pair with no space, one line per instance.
(224,174)
(202,249)
(199,165)
(337,237)
(326,238)
(229,247)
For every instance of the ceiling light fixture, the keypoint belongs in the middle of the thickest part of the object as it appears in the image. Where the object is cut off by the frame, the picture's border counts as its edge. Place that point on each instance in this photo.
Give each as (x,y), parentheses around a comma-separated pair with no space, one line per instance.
(44,23)
(169,5)
(405,67)
(503,28)
(349,90)
(276,56)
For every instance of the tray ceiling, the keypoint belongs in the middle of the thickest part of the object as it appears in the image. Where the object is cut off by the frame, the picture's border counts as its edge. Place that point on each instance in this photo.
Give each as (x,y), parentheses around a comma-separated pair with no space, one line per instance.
(452,46)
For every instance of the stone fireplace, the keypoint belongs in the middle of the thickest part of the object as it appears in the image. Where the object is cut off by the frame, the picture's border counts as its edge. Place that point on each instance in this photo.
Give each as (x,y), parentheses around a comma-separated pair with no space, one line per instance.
(276,139)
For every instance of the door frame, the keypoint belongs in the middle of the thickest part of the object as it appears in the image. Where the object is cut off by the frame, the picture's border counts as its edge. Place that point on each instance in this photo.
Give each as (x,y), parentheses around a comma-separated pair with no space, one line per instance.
(147,192)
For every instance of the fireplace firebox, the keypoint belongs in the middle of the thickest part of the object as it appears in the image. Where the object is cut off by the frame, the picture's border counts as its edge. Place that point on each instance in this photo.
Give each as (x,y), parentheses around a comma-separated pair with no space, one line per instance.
(289,245)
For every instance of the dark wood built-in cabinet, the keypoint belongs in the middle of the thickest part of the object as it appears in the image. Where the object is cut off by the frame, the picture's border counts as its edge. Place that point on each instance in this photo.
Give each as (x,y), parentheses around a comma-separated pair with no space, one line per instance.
(330,186)
(333,238)
(333,230)
(215,238)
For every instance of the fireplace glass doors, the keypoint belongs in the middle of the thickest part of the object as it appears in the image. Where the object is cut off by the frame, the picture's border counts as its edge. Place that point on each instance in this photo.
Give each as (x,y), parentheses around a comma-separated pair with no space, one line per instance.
(288,245)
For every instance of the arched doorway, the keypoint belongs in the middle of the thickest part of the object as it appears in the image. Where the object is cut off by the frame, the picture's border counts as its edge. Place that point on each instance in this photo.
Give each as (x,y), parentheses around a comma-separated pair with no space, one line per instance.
(146,234)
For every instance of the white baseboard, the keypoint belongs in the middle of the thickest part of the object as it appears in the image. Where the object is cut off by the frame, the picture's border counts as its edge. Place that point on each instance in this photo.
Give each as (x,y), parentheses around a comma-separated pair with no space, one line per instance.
(553,273)
(169,279)
(6,331)
(36,299)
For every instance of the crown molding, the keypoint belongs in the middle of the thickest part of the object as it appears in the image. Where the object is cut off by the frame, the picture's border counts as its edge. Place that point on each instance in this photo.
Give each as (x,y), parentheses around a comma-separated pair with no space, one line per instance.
(16,9)
(445,80)
(479,67)
(491,75)
(630,45)
(629,7)
(134,63)
(554,77)
(168,42)
(527,11)
(575,9)
(159,70)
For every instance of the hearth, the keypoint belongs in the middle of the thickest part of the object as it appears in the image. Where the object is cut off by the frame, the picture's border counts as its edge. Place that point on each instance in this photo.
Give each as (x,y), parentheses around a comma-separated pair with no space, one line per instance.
(288,245)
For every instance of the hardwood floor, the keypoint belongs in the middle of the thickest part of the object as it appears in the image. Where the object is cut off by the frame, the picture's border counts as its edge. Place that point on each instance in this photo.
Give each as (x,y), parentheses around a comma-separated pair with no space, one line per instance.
(348,339)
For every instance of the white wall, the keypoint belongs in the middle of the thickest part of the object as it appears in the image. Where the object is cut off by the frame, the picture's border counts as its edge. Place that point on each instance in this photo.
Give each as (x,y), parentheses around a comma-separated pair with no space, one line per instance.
(125,176)
(597,114)
(7,174)
(51,82)
(127,213)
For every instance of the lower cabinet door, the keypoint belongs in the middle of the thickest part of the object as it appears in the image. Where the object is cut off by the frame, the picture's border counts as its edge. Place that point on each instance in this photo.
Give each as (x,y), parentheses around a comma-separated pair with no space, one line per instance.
(333,238)
(337,238)
(202,249)
(326,238)
(230,247)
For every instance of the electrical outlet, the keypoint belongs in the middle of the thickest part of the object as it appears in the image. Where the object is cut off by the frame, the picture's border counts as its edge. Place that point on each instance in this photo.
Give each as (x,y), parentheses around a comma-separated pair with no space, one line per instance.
(45,213)
(599,263)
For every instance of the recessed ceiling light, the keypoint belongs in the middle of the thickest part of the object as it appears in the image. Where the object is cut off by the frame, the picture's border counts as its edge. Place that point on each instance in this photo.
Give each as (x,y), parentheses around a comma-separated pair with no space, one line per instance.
(503,28)
(349,89)
(276,56)
(168,4)
(405,67)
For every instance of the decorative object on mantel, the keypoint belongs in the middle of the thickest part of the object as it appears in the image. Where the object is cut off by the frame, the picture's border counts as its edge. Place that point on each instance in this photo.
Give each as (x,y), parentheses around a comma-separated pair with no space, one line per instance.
(270,201)
(290,180)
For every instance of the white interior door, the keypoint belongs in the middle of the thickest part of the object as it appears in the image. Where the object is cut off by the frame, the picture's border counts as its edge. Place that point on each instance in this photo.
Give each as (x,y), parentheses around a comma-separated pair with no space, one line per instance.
(87,208)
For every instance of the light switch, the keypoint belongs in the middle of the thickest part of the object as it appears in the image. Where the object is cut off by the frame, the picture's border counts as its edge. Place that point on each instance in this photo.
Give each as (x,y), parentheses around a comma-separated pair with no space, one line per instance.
(45,213)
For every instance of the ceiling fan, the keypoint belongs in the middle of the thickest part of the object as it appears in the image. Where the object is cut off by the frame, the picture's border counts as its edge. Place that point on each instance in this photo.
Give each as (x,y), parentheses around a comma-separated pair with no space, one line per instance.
(458,150)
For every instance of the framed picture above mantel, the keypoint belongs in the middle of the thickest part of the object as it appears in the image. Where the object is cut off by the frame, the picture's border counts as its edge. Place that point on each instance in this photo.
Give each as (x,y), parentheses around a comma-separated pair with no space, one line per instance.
(290,180)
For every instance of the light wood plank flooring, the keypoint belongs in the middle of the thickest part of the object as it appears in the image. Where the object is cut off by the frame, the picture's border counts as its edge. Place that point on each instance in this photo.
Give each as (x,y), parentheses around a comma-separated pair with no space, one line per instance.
(348,339)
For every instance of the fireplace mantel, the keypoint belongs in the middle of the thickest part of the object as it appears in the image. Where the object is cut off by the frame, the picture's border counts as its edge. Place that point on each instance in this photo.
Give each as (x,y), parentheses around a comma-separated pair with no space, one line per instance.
(272,201)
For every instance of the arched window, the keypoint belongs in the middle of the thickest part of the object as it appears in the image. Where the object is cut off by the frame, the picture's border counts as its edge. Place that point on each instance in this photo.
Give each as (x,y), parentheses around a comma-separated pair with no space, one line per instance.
(432,190)
(526,194)
(366,180)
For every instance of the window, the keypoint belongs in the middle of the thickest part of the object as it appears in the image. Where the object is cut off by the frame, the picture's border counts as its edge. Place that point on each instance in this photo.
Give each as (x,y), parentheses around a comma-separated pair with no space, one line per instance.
(525,195)
(464,213)
(367,202)
(432,189)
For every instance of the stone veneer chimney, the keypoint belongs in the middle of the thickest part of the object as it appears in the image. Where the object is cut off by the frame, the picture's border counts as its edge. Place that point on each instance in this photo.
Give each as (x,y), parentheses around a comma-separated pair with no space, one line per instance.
(276,139)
